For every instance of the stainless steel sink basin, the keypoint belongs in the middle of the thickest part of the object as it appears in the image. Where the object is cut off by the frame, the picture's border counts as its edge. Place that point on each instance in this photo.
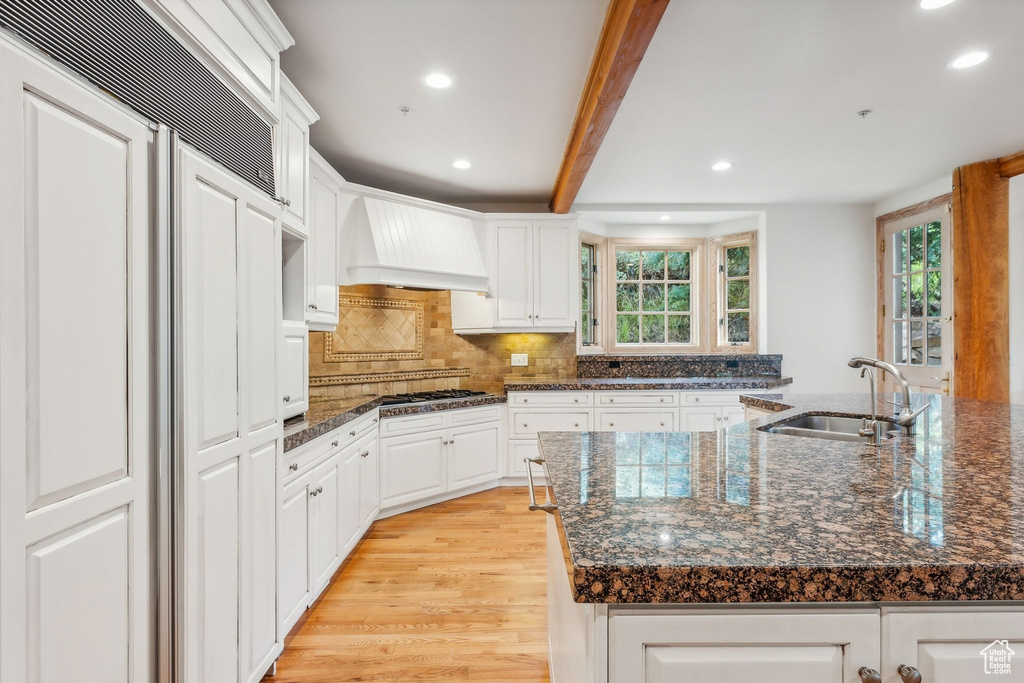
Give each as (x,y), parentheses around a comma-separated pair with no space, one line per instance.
(822,427)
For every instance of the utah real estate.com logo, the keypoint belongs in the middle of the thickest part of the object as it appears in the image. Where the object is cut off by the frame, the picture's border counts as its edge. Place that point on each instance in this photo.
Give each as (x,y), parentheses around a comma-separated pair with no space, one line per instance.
(997,657)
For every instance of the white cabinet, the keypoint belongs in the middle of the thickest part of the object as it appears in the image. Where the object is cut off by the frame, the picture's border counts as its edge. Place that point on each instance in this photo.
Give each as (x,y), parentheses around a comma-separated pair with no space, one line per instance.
(369,481)
(295,369)
(533,275)
(776,646)
(322,245)
(432,456)
(325,545)
(707,419)
(960,644)
(637,420)
(293,549)
(755,413)
(292,148)
(709,411)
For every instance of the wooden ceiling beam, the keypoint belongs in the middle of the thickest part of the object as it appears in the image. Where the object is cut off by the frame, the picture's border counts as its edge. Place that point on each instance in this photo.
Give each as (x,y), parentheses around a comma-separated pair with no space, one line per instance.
(628,28)
(1012,165)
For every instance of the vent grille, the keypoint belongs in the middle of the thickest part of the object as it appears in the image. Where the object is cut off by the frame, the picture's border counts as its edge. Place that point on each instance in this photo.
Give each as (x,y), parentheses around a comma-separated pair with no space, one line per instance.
(120,47)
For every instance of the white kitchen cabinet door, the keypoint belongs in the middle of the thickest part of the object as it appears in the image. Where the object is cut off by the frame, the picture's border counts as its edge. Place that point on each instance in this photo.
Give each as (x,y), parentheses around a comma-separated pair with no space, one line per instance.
(322,276)
(294,551)
(755,413)
(762,647)
(369,481)
(556,274)
(518,451)
(733,415)
(955,644)
(348,504)
(473,455)
(513,274)
(293,154)
(327,542)
(636,420)
(295,369)
(412,468)
(78,469)
(708,419)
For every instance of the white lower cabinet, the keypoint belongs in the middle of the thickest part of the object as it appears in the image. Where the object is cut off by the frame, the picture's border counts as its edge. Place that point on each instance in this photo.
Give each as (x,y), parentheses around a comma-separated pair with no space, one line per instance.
(518,451)
(420,467)
(637,420)
(709,418)
(293,586)
(755,413)
(958,644)
(742,645)
(368,451)
(325,519)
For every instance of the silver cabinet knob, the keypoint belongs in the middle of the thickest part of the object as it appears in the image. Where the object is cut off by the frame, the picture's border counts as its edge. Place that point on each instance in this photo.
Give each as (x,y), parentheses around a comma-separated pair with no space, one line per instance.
(444,442)
(375,420)
(611,400)
(909,674)
(352,433)
(696,399)
(611,424)
(452,441)
(530,316)
(364,454)
(314,493)
(576,424)
(525,425)
(335,443)
(313,307)
(287,398)
(662,400)
(319,489)
(662,424)
(294,466)
(719,419)
(575,400)
(726,418)
(526,400)
(282,201)
(869,675)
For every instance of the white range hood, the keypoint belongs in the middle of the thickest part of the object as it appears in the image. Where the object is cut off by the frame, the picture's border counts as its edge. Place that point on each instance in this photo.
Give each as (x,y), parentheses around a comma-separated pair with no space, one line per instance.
(400,244)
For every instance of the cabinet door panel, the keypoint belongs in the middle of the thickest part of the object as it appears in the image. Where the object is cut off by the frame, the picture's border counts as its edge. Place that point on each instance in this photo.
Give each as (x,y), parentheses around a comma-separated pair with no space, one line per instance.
(260,571)
(293,550)
(528,424)
(513,274)
(327,544)
(323,261)
(556,273)
(474,456)
(946,645)
(294,369)
(636,421)
(263,294)
(369,482)
(412,468)
(348,505)
(733,415)
(295,161)
(701,419)
(773,664)
(517,452)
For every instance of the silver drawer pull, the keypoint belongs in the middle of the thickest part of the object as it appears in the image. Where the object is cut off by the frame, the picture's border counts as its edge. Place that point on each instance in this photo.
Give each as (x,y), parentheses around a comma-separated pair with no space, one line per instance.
(575,424)
(662,424)
(611,400)
(335,443)
(526,400)
(294,466)
(662,400)
(611,424)
(287,399)
(909,674)
(575,400)
(546,507)
(352,433)
(282,201)
(697,399)
(374,419)
(869,675)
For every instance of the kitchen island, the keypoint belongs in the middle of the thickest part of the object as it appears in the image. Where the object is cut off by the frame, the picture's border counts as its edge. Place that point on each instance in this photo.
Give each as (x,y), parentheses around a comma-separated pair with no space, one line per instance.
(739,551)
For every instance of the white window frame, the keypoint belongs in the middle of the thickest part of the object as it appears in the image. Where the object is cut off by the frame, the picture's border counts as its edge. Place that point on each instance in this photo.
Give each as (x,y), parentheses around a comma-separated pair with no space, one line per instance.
(718,303)
(599,244)
(697,268)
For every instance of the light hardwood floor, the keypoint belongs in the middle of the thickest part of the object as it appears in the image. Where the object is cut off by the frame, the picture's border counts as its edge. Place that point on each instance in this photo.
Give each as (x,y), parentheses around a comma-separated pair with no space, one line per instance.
(452,592)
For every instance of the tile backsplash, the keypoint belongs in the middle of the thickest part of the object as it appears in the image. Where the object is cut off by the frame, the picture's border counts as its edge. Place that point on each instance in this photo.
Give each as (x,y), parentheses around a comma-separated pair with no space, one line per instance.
(400,340)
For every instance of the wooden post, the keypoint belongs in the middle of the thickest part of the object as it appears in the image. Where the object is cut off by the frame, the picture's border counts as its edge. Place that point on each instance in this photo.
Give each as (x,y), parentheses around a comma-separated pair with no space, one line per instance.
(981,282)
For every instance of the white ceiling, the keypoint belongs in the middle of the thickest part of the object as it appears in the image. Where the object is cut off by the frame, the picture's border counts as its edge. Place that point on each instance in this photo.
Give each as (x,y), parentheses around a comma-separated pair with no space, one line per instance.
(775,86)
(674,217)
(518,69)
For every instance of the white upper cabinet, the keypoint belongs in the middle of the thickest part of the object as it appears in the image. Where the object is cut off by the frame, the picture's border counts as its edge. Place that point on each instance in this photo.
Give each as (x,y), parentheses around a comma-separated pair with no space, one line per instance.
(534,284)
(322,245)
(292,149)
(240,40)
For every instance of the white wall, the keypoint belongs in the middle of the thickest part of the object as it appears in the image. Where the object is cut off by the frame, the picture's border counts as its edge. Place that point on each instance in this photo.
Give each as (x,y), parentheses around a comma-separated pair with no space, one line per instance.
(1017,289)
(821,288)
(916,195)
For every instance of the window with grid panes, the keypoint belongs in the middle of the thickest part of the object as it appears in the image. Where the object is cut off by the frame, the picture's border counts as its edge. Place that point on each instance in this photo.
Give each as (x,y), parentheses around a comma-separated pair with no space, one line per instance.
(654,294)
(917,295)
(588,294)
(735,276)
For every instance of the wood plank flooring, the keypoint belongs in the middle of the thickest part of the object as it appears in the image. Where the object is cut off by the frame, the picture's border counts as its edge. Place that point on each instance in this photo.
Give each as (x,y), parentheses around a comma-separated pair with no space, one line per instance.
(453,592)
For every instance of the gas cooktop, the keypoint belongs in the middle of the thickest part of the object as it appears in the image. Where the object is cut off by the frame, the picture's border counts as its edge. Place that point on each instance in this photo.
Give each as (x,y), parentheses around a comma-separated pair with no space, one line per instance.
(423,396)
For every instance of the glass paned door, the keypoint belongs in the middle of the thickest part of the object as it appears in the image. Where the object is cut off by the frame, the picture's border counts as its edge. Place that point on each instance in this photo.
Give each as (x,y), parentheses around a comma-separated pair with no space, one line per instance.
(918,299)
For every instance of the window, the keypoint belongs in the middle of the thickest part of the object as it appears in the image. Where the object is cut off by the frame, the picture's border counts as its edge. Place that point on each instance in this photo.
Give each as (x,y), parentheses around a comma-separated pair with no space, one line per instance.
(735,292)
(664,296)
(588,301)
(917,295)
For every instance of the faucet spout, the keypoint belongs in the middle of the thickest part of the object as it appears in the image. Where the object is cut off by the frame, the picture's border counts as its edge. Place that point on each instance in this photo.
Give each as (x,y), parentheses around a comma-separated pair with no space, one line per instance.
(907,419)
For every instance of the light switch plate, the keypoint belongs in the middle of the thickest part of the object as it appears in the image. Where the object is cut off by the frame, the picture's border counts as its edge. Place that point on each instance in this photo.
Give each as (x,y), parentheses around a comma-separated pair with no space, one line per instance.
(520,360)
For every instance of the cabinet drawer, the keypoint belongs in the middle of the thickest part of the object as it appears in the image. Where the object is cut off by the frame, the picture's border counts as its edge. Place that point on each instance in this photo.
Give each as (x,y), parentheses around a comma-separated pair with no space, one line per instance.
(300,459)
(357,428)
(469,416)
(528,424)
(551,398)
(393,426)
(636,420)
(637,398)
(715,398)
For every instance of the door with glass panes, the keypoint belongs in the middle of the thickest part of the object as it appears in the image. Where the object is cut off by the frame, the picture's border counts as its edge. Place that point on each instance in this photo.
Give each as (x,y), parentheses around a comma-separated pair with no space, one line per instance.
(918,300)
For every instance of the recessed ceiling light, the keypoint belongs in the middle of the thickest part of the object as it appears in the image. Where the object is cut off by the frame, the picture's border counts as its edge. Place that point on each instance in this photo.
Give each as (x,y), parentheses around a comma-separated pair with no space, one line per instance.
(461,164)
(722,166)
(438,81)
(664,218)
(934,4)
(968,60)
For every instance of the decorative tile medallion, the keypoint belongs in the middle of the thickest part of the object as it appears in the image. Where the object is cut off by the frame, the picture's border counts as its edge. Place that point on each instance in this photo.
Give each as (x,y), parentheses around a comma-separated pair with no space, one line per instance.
(375,329)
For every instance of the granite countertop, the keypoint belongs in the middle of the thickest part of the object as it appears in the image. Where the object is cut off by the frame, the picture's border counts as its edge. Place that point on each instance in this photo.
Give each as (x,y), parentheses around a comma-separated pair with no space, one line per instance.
(327,414)
(742,516)
(648,383)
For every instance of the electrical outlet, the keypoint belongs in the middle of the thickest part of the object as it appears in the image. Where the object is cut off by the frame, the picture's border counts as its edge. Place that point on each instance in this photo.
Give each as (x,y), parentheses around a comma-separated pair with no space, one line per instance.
(520,360)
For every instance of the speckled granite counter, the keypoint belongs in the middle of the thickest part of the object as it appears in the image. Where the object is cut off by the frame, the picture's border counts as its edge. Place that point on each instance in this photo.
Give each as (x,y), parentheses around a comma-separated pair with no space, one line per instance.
(325,415)
(648,383)
(745,516)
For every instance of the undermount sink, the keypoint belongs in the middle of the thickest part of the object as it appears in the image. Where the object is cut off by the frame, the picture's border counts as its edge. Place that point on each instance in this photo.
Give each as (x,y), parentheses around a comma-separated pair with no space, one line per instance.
(822,427)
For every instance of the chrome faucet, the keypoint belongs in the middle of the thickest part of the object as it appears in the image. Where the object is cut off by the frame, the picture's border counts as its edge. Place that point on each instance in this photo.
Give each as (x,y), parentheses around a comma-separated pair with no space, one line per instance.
(874,429)
(907,418)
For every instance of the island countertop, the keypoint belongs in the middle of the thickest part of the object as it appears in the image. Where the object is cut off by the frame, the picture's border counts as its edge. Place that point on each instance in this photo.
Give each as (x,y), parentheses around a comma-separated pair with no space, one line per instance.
(647,383)
(744,516)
